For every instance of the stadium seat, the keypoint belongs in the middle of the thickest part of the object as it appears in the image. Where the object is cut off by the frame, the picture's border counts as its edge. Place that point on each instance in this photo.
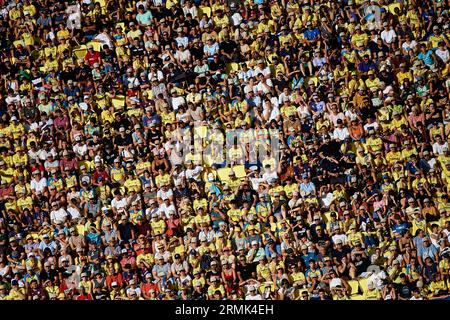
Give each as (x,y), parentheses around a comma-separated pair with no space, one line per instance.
(363,284)
(232,66)
(102,3)
(392,6)
(238,170)
(354,285)
(313,79)
(17,42)
(204,10)
(201,131)
(118,102)
(96,44)
(326,217)
(80,51)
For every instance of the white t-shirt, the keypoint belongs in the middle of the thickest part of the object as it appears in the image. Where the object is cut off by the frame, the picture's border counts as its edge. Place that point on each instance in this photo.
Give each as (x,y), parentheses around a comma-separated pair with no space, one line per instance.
(58,215)
(341,237)
(341,133)
(263,88)
(119,204)
(80,149)
(440,148)
(163,209)
(255,297)
(443,54)
(388,35)
(74,212)
(194,173)
(409,46)
(164,194)
(38,186)
(236,18)
(177,101)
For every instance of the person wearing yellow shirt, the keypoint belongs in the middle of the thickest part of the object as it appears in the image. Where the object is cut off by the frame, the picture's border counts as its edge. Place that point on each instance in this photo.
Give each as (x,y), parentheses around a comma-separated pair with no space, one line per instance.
(354,83)
(162,178)
(263,269)
(404,74)
(293,7)
(217,6)
(199,280)
(16,293)
(437,286)
(290,187)
(297,277)
(285,36)
(6,172)
(24,202)
(20,156)
(354,237)
(167,116)
(117,173)
(234,214)
(85,283)
(373,143)
(372,293)
(143,166)
(187,220)
(436,37)
(359,38)
(16,129)
(308,15)
(199,203)
(132,183)
(397,121)
(29,9)
(14,13)
(202,219)
(220,19)
(408,151)
(158,225)
(287,109)
(339,293)
(393,156)
(134,32)
(275,9)
(372,81)
(215,286)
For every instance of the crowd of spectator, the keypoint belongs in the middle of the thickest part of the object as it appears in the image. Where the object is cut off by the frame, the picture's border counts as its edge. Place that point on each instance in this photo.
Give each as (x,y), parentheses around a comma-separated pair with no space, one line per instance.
(224,150)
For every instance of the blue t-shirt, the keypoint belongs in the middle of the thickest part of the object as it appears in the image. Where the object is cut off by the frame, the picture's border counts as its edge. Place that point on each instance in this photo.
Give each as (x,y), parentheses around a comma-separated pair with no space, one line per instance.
(144,18)
(311,34)
(426,57)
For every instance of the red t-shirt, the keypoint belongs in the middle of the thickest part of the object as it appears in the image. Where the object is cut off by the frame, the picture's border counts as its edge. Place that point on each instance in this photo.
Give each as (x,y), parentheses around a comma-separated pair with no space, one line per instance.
(85,297)
(146,287)
(92,57)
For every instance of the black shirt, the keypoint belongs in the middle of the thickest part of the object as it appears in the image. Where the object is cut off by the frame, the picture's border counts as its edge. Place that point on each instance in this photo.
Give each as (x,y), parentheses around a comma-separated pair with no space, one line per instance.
(50,275)
(404,290)
(216,64)
(361,265)
(196,52)
(340,254)
(125,231)
(321,240)
(245,271)
(107,56)
(228,46)
(123,141)
(293,260)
